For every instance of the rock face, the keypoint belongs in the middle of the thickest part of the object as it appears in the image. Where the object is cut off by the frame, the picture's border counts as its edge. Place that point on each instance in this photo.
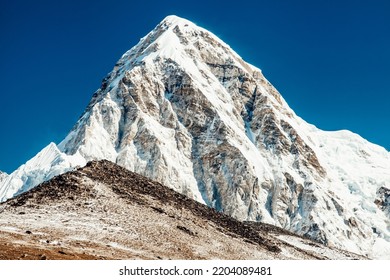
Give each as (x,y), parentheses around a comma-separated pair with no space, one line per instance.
(182,108)
(103,211)
(383,200)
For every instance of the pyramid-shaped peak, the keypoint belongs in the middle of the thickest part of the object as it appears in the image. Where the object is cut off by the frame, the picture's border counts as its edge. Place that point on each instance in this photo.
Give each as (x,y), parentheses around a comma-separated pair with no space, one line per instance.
(182,41)
(175,20)
(184,26)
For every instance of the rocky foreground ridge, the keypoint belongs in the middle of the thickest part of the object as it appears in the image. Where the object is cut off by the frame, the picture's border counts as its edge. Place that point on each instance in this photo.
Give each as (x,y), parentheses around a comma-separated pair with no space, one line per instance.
(103,211)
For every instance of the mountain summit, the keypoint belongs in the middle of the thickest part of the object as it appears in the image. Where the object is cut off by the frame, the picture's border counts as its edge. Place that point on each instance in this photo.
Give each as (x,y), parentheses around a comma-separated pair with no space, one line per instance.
(182,108)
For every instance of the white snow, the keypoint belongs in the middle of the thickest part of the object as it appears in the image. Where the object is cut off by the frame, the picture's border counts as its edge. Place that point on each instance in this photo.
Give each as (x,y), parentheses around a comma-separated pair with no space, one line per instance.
(45,165)
(3,176)
(317,249)
(381,249)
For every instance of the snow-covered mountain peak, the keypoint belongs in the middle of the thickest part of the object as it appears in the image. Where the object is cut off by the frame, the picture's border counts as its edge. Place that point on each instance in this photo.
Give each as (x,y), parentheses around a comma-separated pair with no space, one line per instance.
(173,20)
(182,108)
(179,39)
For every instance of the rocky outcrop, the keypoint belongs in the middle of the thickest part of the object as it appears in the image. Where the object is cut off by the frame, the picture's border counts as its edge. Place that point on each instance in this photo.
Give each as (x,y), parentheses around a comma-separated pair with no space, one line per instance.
(383,200)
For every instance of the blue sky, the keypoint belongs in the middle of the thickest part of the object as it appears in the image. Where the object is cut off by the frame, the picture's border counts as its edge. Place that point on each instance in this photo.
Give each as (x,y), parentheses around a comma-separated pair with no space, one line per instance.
(329,59)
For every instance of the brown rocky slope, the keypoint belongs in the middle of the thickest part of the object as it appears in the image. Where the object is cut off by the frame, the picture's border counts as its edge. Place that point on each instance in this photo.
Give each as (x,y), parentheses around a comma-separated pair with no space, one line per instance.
(103,211)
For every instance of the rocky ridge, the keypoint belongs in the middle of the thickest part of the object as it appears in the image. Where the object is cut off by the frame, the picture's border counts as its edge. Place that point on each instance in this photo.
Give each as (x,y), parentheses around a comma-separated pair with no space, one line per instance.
(103,211)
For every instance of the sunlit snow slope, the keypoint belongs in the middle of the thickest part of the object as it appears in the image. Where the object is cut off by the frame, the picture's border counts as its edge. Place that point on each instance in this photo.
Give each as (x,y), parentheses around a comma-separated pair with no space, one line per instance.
(3,176)
(182,108)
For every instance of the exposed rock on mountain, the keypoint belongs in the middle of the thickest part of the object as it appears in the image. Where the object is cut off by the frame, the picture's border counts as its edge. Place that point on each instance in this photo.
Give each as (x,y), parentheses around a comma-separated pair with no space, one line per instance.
(105,211)
(182,108)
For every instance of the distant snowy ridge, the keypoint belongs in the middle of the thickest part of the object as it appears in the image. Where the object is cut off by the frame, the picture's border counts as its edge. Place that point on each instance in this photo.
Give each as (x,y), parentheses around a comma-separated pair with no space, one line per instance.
(182,108)
(45,165)
(3,176)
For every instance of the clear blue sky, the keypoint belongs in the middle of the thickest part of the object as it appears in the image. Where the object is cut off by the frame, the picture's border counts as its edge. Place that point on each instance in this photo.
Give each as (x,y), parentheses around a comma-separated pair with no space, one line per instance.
(330,59)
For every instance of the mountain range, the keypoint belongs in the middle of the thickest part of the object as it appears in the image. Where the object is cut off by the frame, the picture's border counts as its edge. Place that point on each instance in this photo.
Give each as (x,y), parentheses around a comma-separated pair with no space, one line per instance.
(185,110)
